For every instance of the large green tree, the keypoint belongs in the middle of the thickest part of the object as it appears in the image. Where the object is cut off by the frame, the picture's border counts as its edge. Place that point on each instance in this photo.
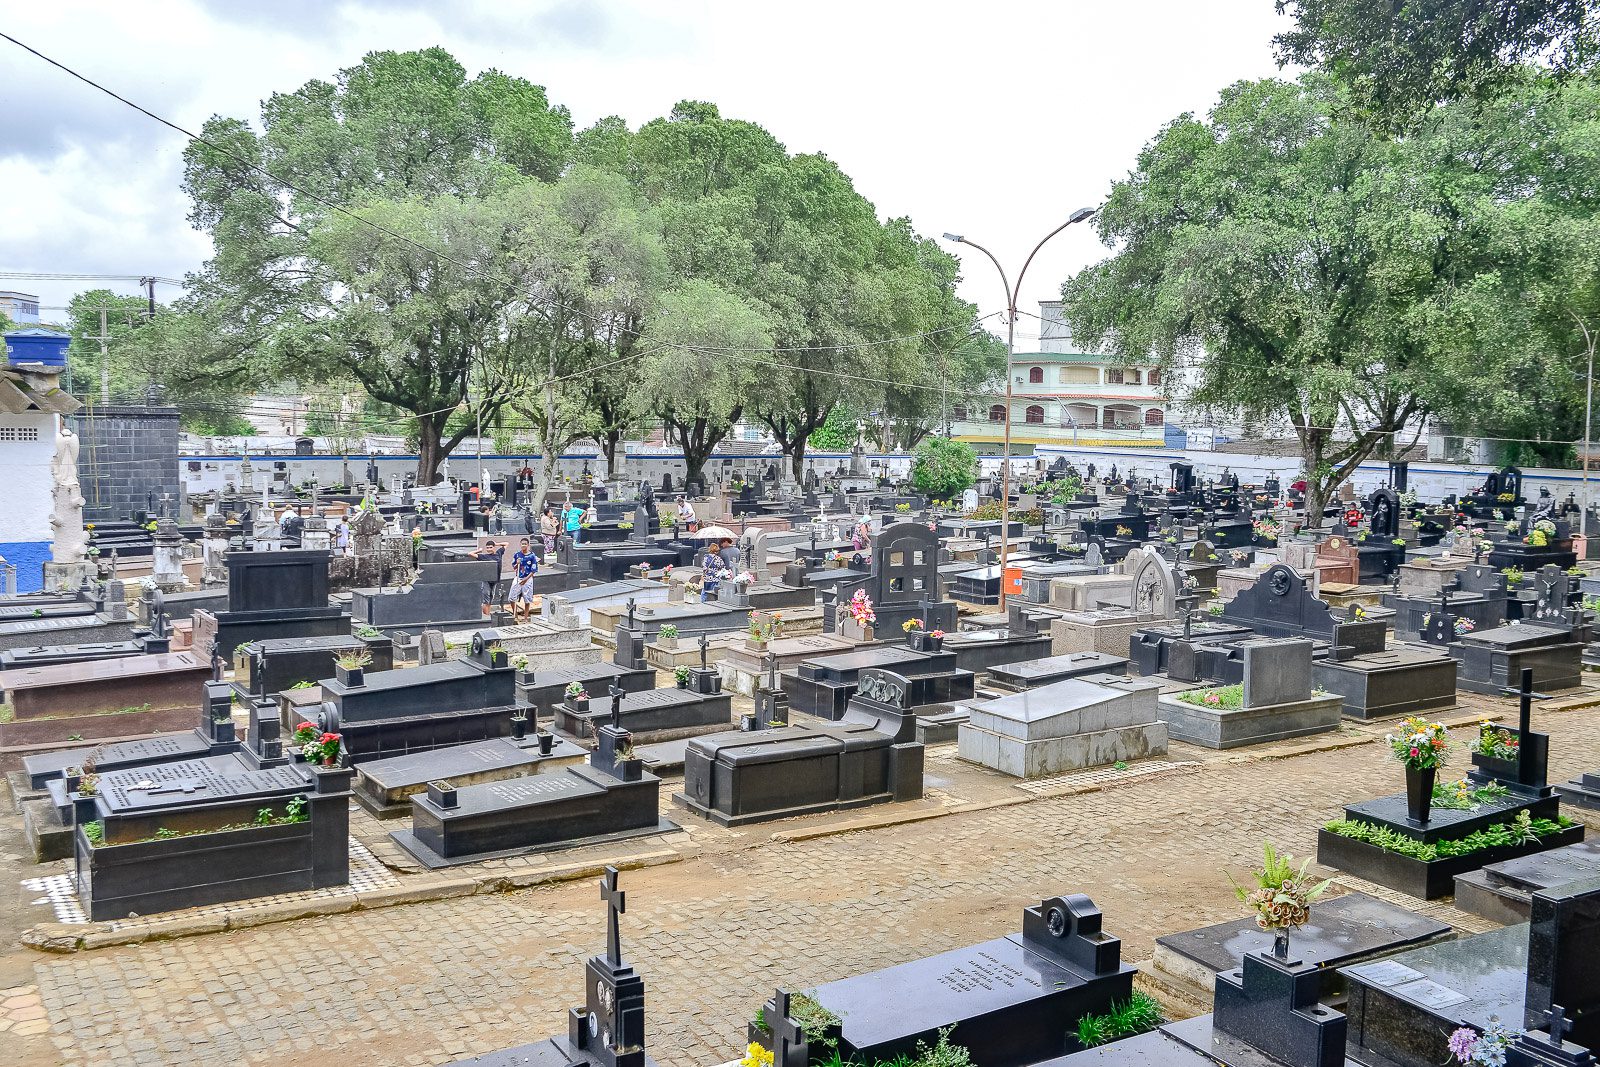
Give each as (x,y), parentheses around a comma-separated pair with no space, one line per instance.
(1401,56)
(691,376)
(396,136)
(791,238)
(1290,263)
(193,359)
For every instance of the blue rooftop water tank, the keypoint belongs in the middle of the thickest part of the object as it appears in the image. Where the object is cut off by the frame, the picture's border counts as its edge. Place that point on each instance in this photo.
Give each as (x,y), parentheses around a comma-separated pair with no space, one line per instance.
(37,346)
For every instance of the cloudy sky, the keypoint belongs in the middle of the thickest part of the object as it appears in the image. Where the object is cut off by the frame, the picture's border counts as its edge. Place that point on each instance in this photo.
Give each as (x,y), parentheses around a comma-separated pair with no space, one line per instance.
(992,120)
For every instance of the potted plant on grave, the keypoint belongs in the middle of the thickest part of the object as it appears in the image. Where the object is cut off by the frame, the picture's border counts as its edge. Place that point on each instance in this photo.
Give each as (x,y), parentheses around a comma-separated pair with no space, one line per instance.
(519,725)
(1497,751)
(1281,898)
(921,639)
(577,696)
(667,636)
(322,750)
(681,676)
(760,633)
(860,613)
(350,667)
(1422,747)
(629,765)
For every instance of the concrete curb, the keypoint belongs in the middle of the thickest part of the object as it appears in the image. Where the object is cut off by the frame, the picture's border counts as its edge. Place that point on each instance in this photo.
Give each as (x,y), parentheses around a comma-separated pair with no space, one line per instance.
(85,937)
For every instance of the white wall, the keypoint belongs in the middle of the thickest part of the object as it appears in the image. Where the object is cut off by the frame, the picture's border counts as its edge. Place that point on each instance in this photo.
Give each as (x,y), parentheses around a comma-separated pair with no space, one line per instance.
(25,477)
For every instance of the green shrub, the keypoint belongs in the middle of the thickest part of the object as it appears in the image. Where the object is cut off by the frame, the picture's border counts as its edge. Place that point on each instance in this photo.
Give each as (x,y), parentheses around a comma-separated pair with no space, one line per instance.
(943,468)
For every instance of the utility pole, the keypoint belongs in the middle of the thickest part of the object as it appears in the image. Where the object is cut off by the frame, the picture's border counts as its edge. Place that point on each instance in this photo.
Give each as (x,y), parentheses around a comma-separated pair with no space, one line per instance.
(1012,292)
(150,296)
(105,360)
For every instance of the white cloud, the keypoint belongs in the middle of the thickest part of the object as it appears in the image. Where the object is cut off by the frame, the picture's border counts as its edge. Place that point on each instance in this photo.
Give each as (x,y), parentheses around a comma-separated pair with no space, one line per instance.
(993,120)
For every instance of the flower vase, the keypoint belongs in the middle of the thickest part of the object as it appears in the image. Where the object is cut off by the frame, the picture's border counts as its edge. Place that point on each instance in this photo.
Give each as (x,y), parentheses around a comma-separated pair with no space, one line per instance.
(1280,944)
(1419,793)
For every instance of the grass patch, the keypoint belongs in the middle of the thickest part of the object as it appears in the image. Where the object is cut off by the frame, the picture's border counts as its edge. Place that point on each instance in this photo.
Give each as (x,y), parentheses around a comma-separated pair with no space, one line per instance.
(812,1018)
(1139,1014)
(1224,697)
(1522,830)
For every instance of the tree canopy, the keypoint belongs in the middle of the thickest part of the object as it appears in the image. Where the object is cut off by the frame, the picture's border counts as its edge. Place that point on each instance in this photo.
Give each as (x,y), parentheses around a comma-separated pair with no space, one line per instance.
(450,245)
(407,142)
(1289,262)
(1401,58)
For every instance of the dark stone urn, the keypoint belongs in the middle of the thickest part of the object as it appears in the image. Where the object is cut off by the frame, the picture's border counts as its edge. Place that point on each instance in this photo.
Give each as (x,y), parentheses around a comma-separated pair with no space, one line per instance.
(1419,793)
(924,641)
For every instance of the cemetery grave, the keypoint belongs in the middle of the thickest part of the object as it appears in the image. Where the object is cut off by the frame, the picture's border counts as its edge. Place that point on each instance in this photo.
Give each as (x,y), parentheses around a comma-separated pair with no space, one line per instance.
(1009,1001)
(1540,977)
(866,756)
(1420,840)
(1273,700)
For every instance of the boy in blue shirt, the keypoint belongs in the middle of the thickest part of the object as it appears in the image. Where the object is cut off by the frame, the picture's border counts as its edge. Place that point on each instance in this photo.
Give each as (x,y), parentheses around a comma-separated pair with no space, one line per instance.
(524,565)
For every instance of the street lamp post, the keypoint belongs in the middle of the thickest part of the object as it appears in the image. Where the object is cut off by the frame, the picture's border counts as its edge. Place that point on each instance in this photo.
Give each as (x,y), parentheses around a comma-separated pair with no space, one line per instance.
(1083,214)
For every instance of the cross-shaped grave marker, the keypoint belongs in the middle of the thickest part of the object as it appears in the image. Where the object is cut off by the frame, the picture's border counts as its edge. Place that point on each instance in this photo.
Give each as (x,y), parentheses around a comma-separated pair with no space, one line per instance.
(616,692)
(786,1033)
(616,903)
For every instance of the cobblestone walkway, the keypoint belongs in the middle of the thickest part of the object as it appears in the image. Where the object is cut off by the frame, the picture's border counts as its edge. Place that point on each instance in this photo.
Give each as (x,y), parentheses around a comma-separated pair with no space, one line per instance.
(423,983)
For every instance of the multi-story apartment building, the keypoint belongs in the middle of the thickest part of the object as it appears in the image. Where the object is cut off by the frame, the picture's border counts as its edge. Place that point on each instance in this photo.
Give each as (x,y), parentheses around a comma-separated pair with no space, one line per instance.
(1063,397)
(21,308)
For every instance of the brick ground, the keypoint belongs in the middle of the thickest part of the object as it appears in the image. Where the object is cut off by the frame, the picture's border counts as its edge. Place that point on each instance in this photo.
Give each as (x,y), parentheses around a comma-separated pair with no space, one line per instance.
(424,983)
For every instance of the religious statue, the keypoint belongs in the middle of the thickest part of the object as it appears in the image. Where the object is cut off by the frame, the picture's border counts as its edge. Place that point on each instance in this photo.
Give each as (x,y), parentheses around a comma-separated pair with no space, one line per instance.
(69,540)
(1545,507)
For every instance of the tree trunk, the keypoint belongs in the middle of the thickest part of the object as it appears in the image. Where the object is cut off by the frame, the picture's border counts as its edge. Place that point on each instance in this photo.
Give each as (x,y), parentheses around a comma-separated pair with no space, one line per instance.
(797,460)
(430,448)
(610,443)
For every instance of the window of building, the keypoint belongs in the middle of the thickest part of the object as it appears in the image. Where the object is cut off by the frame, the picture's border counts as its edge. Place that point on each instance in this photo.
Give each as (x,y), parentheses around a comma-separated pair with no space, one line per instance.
(997,413)
(1080,376)
(1131,376)
(1035,415)
(1114,377)
(19,433)
(960,413)
(1153,378)
(1035,375)
(1154,417)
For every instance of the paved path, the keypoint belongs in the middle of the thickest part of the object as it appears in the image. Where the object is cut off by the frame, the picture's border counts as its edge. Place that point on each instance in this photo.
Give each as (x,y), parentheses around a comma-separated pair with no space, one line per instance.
(424,983)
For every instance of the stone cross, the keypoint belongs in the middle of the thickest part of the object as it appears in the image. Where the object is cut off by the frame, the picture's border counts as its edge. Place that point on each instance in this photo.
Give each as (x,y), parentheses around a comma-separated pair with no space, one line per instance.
(1188,625)
(616,706)
(705,645)
(786,1033)
(770,661)
(1558,1019)
(616,903)
(632,604)
(216,664)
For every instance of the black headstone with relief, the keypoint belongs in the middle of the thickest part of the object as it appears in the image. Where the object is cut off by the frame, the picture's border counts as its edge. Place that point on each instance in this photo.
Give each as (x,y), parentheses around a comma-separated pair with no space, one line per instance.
(1010,1001)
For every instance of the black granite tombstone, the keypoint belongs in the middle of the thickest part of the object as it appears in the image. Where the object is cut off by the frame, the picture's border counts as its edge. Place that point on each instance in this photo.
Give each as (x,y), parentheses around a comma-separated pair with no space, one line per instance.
(1011,1001)
(609,1030)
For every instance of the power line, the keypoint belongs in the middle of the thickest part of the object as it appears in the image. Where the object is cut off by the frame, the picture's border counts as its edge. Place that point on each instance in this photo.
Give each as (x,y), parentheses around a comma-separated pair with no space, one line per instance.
(468,267)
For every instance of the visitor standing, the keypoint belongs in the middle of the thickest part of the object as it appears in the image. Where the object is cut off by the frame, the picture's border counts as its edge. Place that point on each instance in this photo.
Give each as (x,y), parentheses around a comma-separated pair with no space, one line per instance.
(574,523)
(524,565)
(495,550)
(686,516)
(549,527)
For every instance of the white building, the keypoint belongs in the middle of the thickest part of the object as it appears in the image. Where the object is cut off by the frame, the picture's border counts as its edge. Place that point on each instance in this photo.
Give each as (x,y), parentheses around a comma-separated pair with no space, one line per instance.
(20,308)
(30,418)
(1061,396)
